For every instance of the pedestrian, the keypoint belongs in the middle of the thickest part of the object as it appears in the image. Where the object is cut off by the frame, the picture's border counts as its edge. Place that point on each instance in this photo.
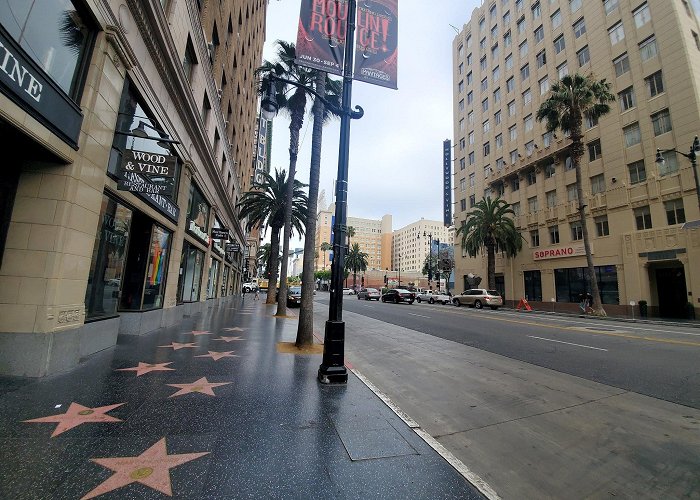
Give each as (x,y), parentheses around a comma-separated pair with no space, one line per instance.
(257,294)
(244,292)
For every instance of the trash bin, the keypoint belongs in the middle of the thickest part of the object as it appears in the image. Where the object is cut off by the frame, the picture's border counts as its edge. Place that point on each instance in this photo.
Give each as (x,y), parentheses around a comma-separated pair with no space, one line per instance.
(643,308)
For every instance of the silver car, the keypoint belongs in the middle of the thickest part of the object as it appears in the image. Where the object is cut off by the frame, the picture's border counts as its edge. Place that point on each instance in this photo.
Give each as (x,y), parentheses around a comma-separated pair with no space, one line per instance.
(479,297)
(369,294)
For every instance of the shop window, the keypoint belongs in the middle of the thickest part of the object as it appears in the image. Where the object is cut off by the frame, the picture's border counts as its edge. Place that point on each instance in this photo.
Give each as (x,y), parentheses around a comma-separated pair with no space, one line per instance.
(191,266)
(108,260)
(198,214)
(56,34)
(533,285)
(212,281)
(572,283)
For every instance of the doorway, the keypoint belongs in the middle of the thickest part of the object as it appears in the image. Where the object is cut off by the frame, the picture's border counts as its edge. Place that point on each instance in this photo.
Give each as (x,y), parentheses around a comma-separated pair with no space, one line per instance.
(672,292)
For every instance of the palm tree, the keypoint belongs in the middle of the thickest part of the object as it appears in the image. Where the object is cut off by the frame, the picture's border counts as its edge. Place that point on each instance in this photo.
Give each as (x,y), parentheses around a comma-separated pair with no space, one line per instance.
(265,206)
(355,260)
(331,90)
(292,102)
(571,99)
(263,258)
(489,226)
(325,246)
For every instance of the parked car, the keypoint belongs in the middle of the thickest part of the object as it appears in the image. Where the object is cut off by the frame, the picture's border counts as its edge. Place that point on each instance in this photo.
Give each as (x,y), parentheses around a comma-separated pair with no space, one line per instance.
(397,295)
(479,297)
(369,294)
(348,291)
(433,296)
(293,296)
(249,287)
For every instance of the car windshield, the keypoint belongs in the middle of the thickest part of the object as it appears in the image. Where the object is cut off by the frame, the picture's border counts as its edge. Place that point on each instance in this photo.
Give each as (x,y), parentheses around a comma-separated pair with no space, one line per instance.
(296,290)
(372,290)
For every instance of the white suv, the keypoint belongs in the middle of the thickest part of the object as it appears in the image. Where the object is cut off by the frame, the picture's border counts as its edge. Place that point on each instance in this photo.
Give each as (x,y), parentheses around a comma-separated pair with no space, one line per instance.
(431,297)
(479,297)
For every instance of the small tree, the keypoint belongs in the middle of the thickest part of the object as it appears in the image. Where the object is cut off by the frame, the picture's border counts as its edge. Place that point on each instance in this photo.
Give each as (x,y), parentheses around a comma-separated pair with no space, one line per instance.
(355,260)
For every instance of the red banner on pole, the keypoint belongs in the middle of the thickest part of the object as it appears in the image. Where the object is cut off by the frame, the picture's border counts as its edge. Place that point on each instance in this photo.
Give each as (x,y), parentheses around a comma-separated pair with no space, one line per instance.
(376,42)
(321,35)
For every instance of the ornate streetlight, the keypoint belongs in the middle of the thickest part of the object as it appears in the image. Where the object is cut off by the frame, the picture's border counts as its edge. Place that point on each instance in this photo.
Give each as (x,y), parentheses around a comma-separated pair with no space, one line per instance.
(430,258)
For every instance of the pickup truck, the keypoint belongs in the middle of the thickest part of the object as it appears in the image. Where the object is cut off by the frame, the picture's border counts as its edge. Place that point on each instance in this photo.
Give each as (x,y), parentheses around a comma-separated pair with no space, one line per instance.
(431,297)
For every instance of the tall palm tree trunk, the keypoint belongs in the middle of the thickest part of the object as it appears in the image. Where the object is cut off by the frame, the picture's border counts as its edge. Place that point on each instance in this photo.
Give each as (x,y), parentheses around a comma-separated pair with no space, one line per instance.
(274,264)
(490,266)
(576,154)
(305,328)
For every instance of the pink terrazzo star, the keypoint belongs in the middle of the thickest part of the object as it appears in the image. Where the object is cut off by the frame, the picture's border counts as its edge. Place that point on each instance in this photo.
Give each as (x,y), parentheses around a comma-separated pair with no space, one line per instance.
(202,385)
(200,332)
(78,414)
(229,339)
(216,356)
(151,468)
(144,368)
(235,329)
(177,345)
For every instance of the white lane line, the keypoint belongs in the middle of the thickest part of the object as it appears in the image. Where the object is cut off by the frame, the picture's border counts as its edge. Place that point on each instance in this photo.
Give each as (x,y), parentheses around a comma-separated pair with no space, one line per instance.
(413,314)
(569,343)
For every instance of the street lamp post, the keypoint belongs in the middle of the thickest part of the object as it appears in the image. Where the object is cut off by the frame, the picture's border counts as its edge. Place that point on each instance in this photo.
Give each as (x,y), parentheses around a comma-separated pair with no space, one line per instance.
(692,156)
(399,269)
(430,258)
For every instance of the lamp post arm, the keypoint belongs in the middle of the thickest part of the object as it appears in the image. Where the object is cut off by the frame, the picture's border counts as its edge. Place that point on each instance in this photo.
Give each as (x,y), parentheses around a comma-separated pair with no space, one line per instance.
(355,115)
(691,156)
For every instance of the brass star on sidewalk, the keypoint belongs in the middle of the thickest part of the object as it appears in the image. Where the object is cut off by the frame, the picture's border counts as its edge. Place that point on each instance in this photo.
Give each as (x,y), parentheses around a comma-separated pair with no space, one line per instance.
(151,468)
(177,345)
(202,385)
(216,356)
(200,332)
(229,339)
(235,329)
(78,414)
(143,368)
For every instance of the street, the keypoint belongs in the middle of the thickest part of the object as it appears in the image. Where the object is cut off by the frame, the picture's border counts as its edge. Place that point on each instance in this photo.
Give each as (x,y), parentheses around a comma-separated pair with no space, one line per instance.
(540,406)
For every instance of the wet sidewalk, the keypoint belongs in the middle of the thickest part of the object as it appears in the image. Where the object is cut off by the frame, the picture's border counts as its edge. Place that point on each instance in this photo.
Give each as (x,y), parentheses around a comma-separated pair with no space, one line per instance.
(211,408)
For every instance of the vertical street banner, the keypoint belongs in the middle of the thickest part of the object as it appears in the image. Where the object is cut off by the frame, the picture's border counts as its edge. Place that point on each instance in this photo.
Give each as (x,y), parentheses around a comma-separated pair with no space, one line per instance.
(447,181)
(321,35)
(376,42)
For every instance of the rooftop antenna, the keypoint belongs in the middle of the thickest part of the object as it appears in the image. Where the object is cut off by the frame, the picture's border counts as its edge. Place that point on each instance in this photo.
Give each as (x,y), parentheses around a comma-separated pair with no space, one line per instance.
(454,28)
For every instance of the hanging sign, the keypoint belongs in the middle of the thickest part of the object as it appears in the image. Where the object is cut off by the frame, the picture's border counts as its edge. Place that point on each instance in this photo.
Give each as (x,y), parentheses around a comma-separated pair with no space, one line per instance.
(144,172)
(233,247)
(376,42)
(219,233)
(321,35)
(135,183)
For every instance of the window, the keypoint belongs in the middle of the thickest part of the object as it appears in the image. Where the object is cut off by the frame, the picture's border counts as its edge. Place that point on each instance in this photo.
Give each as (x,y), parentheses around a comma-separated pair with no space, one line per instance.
(469,42)
(550,170)
(527,97)
(521,25)
(514,156)
(541,59)
(529,147)
(470,78)
(669,165)
(531,177)
(525,72)
(562,70)
(661,122)
(551,198)
(497,96)
(494,52)
(528,123)
(575,5)
(462,164)
(539,34)
(622,65)
(510,84)
(496,74)
(472,180)
(536,11)
(513,133)
(206,110)
(461,125)
(190,60)
(568,163)
(637,172)
(482,63)
(616,33)
(519,5)
(544,85)
(601,226)
(482,24)
(460,106)
(642,218)
(583,56)
(462,144)
(647,49)
(460,51)
(556,19)
(506,18)
(470,59)
(554,235)
(487,171)
(687,8)
(516,209)
(499,141)
(533,284)
(485,126)
(497,116)
(641,15)
(598,184)
(482,44)
(532,204)
(571,193)
(609,5)
(509,62)
(492,11)
(626,99)
(461,68)
(633,134)
(494,32)
(523,49)
(470,118)
(471,138)
(547,138)
(576,231)
(470,97)
(463,185)
(485,105)
(472,201)
(487,149)
(511,108)
(655,84)
(534,238)
(559,44)
(507,39)
(500,163)
(594,151)
(696,38)
(472,158)
(484,84)
(591,121)
(675,214)
(463,204)
(579,28)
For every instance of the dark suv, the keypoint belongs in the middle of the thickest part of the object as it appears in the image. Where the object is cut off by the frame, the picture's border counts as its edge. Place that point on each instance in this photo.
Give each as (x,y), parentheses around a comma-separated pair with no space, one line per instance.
(397,295)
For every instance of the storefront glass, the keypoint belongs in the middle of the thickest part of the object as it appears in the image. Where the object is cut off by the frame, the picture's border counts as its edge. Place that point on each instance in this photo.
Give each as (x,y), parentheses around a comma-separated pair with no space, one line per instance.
(157,268)
(198,214)
(224,281)
(191,266)
(572,282)
(108,260)
(52,33)
(533,285)
(212,282)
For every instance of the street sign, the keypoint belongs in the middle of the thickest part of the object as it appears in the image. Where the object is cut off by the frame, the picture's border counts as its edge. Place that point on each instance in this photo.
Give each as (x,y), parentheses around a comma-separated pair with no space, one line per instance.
(219,233)
(233,247)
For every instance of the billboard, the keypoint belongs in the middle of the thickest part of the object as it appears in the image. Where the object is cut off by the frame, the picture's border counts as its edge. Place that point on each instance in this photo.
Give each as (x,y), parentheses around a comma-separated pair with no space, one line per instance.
(376,42)
(447,181)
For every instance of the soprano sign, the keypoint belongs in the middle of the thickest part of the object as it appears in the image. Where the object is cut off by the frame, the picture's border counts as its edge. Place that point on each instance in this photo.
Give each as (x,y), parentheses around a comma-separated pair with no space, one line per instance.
(557,252)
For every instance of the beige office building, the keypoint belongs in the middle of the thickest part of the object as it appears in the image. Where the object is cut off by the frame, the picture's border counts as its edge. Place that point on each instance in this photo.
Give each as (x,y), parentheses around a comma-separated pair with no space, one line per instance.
(505,58)
(92,244)
(411,244)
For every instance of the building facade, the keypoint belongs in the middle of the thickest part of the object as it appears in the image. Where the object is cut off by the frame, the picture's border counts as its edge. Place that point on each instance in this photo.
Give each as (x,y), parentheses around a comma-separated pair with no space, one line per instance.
(129,130)
(505,58)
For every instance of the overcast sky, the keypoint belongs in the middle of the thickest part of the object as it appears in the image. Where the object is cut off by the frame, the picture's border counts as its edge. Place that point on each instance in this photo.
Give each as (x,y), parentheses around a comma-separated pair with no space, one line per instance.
(396,148)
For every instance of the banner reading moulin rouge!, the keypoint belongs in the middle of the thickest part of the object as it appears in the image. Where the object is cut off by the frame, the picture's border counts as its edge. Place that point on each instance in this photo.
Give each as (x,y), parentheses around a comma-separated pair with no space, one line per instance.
(321,35)
(376,42)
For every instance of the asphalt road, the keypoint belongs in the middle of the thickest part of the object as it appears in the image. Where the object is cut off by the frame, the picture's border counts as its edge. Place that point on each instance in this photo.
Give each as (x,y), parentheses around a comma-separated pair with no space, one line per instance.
(660,361)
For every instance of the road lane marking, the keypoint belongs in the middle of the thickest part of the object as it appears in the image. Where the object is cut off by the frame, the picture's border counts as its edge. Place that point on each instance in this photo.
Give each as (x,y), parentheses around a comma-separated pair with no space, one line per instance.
(568,343)
(414,314)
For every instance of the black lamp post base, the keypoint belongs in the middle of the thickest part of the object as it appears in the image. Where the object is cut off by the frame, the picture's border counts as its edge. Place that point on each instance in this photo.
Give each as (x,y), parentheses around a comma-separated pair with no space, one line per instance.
(332,369)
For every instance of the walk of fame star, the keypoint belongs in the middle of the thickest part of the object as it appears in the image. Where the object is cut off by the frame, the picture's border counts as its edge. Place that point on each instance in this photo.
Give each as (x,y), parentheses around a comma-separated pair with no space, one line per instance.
(235,329)
(177,345)
(143,368)
(216,356)
(151,468)
(200,332)
(202,385)
(229,339)
(78,414)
